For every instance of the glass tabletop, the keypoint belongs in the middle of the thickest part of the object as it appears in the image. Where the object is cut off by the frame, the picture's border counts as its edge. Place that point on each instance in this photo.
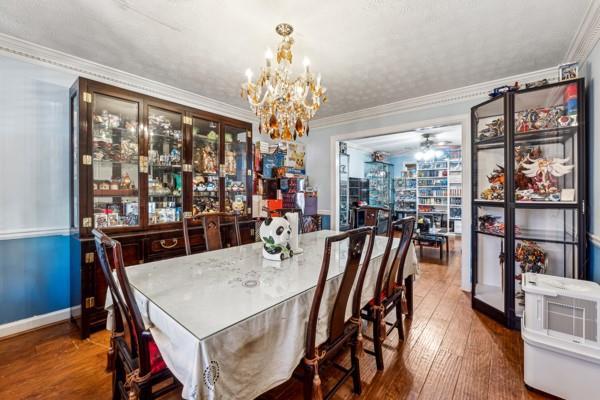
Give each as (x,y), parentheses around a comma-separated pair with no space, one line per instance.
(209,292)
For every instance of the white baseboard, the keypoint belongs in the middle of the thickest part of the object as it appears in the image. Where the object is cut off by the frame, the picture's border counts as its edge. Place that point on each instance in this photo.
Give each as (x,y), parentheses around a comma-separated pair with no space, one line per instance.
(35,322)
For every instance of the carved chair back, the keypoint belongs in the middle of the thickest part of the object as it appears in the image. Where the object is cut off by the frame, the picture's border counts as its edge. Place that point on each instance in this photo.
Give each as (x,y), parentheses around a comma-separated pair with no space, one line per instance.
(373,214)
(211,224)
(111,258)
(360,241)
(391,271)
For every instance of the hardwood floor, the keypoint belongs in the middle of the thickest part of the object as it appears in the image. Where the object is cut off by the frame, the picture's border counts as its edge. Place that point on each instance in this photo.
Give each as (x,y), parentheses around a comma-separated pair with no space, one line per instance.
(450,352)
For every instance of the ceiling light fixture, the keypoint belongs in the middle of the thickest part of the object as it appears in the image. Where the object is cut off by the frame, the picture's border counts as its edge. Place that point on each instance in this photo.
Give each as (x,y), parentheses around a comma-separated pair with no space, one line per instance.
(284,104)
(426,153)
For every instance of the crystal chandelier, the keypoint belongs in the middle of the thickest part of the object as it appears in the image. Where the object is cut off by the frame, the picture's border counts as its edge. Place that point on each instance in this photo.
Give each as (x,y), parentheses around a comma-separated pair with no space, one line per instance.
(284,104)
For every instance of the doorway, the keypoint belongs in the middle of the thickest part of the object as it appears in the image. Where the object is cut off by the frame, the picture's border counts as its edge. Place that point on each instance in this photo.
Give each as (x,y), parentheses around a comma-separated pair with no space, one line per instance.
(416,170)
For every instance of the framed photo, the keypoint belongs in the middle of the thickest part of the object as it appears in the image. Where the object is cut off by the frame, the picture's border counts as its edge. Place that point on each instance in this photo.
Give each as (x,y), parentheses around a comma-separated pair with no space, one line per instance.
(567,71)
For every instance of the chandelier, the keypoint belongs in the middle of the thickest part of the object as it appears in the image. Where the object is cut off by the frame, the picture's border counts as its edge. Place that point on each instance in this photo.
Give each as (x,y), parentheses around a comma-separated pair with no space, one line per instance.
(284,104)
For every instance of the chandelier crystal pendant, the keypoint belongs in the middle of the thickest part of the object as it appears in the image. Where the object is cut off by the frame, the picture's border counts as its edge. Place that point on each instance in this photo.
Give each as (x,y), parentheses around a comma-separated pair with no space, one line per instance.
(284,105)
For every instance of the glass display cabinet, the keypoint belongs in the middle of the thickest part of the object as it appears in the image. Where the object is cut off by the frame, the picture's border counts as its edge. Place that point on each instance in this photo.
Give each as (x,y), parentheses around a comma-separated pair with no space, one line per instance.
(528,193)
(380,175)
(344,215)
(140,165)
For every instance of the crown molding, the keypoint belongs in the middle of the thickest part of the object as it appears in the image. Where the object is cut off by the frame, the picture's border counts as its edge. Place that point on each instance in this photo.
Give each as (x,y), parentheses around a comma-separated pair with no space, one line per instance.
(587,35)
(476,91)
(22,49)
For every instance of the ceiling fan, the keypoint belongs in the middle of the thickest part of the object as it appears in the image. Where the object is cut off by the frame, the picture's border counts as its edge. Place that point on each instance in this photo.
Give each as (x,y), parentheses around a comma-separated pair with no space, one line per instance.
(427,151)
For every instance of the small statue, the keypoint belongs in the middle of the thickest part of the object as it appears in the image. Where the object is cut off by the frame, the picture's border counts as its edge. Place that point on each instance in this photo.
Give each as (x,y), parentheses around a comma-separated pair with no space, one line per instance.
(209,161)
(230,162)
(543,171)
(275,234)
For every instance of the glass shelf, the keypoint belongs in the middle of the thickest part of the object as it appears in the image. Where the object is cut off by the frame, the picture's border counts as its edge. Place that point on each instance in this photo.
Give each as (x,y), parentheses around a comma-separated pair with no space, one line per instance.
(165,179)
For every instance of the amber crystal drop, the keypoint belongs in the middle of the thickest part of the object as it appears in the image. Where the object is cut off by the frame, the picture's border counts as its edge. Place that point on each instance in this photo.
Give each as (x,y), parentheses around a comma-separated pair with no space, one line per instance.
(299,127)
(273,122)
(287,134)
(307,129)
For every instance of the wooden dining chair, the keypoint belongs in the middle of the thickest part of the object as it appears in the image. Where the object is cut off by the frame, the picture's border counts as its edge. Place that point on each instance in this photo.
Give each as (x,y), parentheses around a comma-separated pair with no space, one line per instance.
(211,224)
(373,214)
(390,292)
(342,332)
(138,364)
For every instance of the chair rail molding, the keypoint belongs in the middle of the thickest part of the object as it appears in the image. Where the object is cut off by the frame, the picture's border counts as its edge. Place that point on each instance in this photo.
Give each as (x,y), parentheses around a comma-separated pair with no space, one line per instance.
(595,239)
(33,233)
(22,49)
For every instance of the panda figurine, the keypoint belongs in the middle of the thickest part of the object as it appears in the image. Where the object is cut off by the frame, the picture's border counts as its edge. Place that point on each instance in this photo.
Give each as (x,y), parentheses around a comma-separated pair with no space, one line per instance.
(275,234)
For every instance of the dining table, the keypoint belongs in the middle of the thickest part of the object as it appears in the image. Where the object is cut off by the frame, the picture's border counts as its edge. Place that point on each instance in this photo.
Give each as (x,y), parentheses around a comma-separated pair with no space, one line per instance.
(231,324)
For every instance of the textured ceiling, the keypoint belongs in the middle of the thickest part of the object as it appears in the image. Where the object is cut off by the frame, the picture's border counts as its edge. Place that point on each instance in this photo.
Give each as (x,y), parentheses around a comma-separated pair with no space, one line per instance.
(370,52)
(409,142)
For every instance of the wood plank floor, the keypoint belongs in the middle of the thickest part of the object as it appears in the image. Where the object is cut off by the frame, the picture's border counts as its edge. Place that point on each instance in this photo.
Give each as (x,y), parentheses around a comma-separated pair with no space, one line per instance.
(450,352)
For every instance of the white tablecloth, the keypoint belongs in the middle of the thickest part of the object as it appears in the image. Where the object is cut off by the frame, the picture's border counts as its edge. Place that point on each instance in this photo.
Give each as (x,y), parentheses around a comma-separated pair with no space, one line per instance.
(230,324)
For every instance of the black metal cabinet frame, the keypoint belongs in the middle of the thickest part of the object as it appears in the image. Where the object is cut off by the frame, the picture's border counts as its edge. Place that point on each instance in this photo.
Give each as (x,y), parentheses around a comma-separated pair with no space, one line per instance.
(510,206)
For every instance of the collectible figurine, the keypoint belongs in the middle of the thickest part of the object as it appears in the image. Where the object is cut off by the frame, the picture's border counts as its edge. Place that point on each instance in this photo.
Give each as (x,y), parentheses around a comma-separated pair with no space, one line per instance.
(209,161)
(504,89)
(492,129)
(125,181)
(230,162)
(496,189)
(544,172)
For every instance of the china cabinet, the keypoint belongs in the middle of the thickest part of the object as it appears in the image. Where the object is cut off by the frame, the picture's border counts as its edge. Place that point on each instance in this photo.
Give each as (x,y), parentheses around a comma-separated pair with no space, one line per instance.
(529,193)
(380,175)
(139,165)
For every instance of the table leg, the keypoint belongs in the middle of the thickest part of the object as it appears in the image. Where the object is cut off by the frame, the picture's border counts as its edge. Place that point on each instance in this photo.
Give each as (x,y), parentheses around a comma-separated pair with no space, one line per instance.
(442,249)
(409,284)
(447,248)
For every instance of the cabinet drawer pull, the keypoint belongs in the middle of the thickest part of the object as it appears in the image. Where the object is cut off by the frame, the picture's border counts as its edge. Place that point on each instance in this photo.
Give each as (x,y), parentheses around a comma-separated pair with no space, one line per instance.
(164,244)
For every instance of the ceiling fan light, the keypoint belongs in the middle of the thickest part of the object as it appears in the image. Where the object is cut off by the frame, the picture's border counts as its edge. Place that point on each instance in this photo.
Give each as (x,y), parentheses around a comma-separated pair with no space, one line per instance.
(439,153)
(419,155)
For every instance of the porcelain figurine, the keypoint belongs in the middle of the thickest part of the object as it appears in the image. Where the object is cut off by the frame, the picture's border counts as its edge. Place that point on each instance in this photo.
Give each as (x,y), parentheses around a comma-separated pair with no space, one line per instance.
(275,234)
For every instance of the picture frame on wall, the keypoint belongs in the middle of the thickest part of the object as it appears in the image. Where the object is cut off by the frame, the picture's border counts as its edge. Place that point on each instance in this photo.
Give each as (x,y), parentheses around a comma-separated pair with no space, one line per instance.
(568,71)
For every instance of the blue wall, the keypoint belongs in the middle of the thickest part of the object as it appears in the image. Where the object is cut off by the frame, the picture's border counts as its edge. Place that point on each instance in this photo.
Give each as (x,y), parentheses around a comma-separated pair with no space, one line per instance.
(34,194)
(34,276)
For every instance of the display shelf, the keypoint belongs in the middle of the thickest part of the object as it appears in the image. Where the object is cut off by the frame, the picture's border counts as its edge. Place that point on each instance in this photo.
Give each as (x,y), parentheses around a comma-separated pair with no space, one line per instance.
(491,295)
(116,193)
(530,144)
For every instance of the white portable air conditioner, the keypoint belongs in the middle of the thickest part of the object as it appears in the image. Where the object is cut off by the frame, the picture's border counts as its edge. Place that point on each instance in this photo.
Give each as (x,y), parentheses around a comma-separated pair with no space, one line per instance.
(560,330)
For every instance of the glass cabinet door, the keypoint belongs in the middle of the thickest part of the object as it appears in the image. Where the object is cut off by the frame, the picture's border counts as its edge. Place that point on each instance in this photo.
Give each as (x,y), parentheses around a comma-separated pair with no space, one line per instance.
(489,193)
(206,162)
(235,169)
(115,147)
(489,277)
(545,144)
(344,201)
(165,185)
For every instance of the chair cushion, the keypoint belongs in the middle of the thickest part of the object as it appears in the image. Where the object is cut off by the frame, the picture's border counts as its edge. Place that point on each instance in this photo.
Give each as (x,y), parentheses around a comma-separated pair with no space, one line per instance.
(382,295)
(157,363)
